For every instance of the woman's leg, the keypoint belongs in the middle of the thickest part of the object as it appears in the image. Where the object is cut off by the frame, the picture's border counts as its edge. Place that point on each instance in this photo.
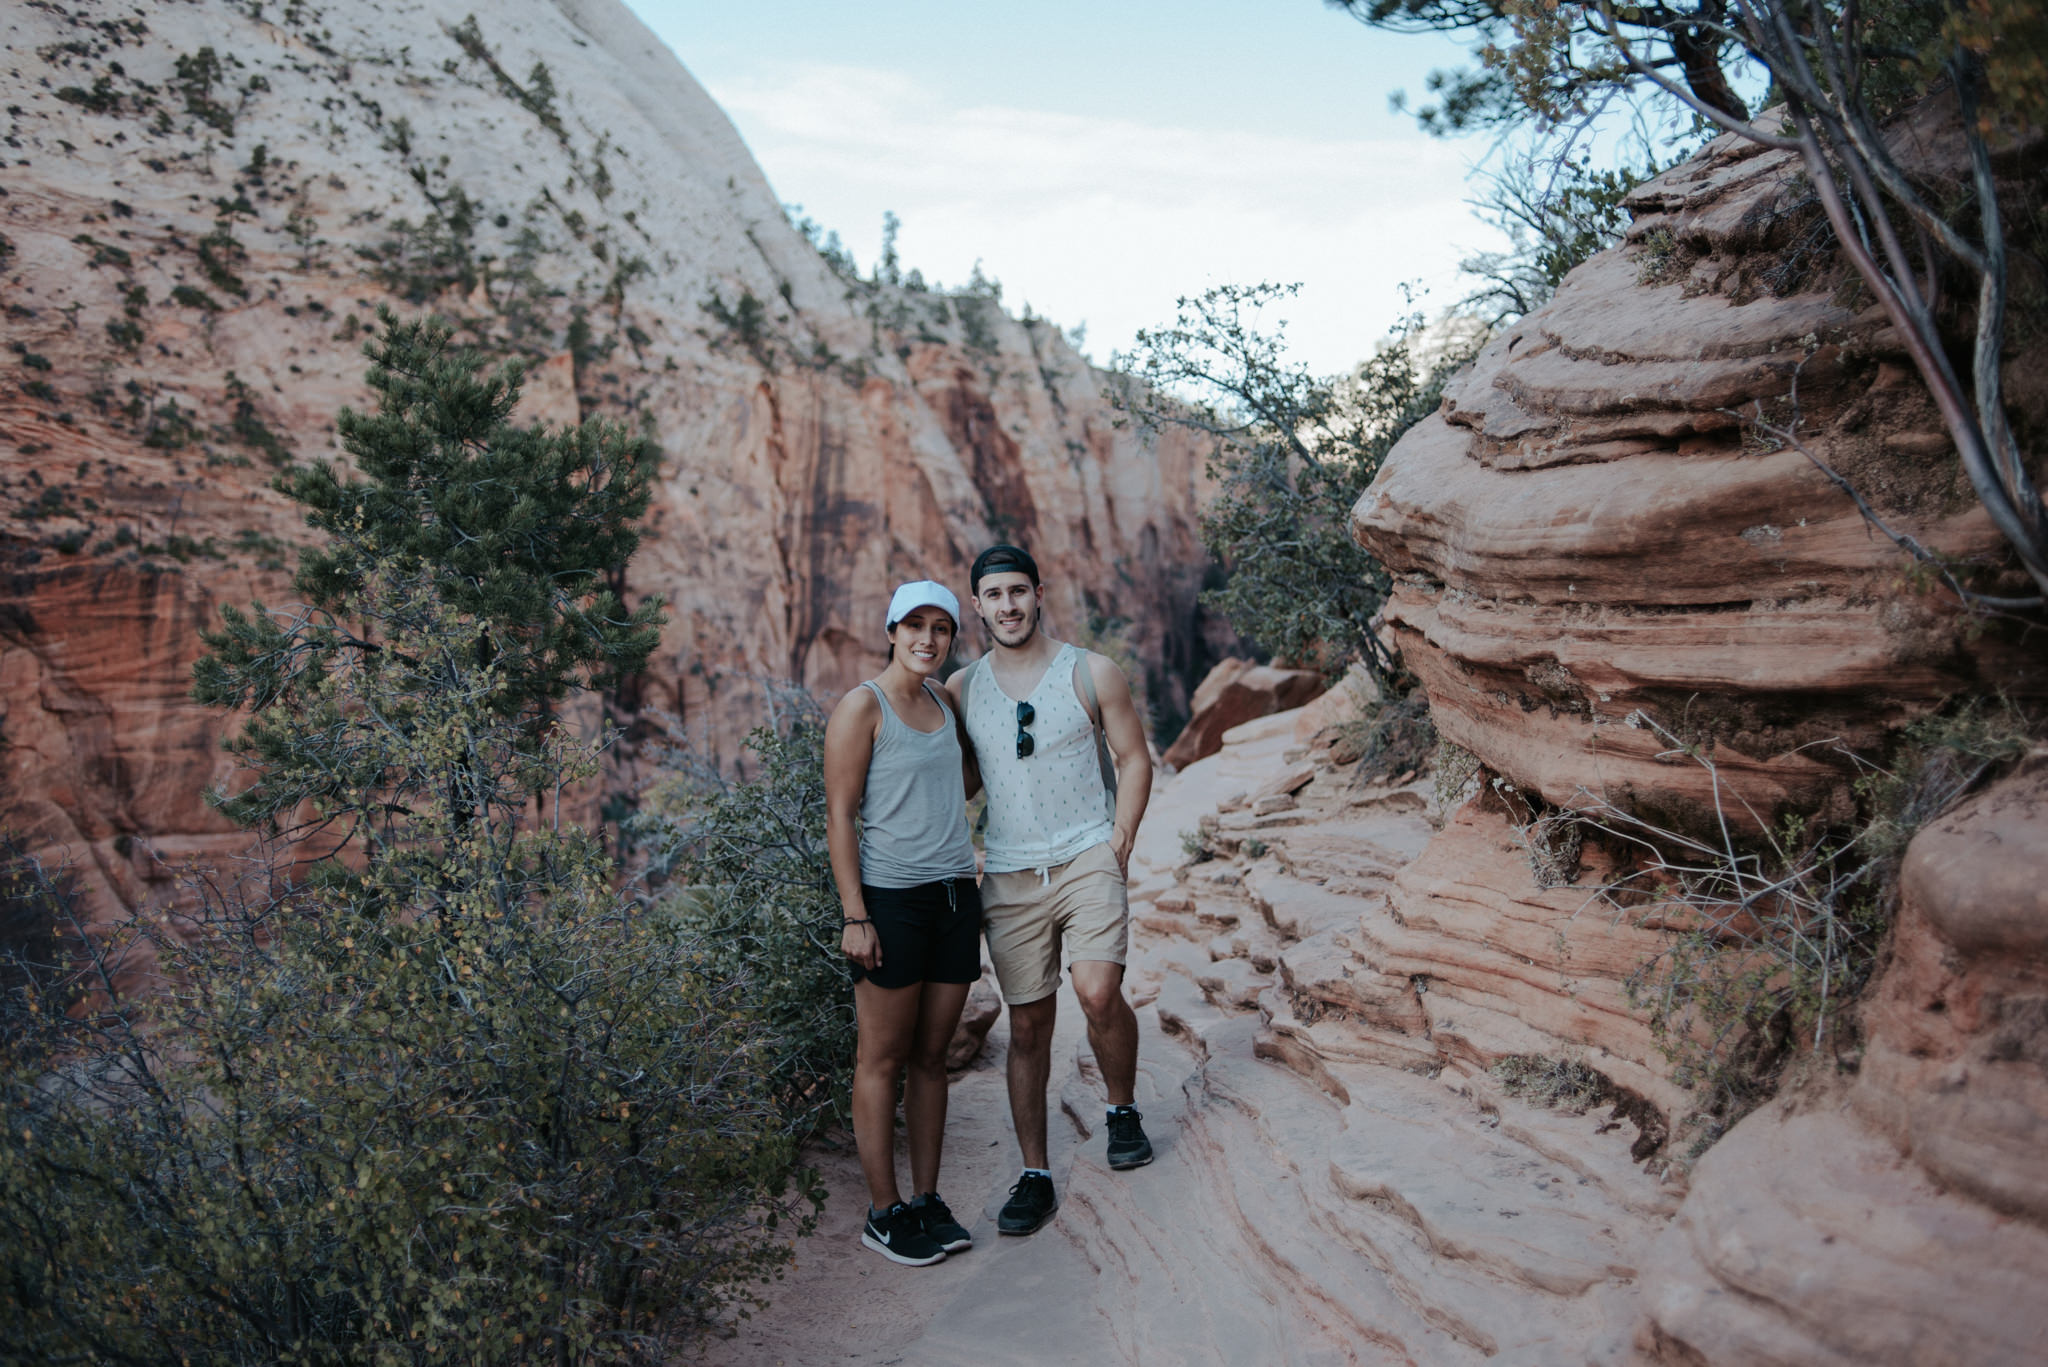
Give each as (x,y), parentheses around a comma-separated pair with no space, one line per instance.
(924,1096)
(887,1019)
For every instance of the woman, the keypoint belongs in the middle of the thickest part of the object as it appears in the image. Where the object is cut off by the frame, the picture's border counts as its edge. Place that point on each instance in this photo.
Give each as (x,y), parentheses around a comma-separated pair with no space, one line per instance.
(894,755)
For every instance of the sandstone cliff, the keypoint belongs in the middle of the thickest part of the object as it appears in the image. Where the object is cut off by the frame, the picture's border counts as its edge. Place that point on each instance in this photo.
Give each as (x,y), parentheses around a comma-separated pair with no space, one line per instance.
(205,204)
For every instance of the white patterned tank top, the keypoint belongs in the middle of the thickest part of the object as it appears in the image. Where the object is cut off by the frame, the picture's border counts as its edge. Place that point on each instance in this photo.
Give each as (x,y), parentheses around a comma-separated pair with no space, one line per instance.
(1052,806)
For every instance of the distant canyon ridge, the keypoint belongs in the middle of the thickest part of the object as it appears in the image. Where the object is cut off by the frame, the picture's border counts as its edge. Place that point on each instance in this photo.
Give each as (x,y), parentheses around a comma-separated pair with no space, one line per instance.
(205,205)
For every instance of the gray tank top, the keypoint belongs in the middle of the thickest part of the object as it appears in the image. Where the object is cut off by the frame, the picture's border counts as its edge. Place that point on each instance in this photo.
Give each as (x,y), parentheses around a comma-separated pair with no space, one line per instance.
(913,814)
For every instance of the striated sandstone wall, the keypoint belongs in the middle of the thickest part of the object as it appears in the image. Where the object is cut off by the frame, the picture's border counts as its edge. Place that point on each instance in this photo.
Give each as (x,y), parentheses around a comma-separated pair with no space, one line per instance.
(205,203)
(1586,531)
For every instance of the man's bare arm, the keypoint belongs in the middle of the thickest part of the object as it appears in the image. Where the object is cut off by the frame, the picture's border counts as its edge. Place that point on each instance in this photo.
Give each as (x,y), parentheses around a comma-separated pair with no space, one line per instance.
(1125,732)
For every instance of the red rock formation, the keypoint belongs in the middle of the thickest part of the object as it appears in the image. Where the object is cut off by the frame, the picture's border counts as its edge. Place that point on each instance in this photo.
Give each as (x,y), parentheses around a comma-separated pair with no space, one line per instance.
(1586,537)
(191,254)
(1586,529)
(1234,692)
(1903,1217)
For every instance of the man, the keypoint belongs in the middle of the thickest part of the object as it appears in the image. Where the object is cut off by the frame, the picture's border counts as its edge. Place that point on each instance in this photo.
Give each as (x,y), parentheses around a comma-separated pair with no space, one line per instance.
(1058,846)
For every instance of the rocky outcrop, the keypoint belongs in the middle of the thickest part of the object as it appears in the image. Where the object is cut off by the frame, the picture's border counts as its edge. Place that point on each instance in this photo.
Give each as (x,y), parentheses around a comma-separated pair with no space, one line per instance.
(1587,528)
(1601,565)
(1902,1216)
(1234,692)
(204,206)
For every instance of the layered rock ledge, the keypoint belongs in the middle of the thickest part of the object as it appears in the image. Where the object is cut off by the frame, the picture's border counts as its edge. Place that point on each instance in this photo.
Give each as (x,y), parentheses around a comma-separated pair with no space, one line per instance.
(1589,528)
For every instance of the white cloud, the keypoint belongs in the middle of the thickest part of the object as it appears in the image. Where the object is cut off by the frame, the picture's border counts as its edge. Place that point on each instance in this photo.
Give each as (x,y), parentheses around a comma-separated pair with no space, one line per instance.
(1108,220)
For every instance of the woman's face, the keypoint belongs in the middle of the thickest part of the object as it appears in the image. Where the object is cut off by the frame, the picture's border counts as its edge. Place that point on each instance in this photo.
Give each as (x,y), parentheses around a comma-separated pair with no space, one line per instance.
(923,639)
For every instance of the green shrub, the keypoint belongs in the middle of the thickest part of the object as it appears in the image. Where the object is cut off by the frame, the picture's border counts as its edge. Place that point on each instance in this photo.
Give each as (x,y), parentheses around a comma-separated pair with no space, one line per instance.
(527,1137)
(246,425)
(749,876)
(453,1097)
(197,75)
(1939,758)
(219,252)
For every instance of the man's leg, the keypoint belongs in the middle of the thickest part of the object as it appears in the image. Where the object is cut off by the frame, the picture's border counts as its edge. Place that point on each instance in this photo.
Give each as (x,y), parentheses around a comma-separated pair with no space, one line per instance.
(1112,1028)
(1030,1070)
(924,1095)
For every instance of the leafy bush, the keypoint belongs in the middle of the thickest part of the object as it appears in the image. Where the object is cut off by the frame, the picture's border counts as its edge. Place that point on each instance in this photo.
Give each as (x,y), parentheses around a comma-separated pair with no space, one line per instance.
(751,880)
(492,1138)
(1293,453)
(453,1097)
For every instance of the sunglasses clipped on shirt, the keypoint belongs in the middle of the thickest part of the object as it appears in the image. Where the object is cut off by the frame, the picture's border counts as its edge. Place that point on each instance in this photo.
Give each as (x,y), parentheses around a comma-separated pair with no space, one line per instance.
(1026,714)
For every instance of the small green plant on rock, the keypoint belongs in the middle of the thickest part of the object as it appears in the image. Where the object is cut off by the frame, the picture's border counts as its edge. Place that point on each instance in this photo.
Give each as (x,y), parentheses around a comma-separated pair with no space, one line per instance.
(1775,931)
(1557,1083)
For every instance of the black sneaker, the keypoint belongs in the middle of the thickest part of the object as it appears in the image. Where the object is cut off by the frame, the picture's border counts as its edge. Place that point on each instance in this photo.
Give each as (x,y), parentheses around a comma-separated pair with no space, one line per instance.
(898,1235)
(1128,1146)
(945,1231)
(1032,1202)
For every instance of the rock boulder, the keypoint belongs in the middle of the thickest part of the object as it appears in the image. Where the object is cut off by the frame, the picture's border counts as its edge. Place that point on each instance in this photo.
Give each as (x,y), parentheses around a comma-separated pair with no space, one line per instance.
(1234,692)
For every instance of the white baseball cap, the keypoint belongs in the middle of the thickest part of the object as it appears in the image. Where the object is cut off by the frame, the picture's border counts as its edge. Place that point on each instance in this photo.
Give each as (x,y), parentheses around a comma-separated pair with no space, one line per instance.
(922,593)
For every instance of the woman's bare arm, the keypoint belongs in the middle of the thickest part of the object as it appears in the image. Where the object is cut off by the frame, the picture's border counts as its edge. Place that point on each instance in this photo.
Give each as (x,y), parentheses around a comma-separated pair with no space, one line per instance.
(970,770)
(849,745)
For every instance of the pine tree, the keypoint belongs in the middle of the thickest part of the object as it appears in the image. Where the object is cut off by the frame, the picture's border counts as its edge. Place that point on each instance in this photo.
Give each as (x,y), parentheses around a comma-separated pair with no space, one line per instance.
(514,532)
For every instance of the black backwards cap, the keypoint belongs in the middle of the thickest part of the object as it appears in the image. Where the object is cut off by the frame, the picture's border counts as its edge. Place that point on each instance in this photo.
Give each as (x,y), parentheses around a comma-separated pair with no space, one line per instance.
(1001,559)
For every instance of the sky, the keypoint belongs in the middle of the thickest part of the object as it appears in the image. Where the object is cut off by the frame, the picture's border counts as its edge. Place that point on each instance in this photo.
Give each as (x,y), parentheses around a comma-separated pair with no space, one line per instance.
(1102,159)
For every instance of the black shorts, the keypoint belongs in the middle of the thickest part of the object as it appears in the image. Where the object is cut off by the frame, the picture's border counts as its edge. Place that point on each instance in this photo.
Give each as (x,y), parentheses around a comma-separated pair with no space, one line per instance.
(930,933)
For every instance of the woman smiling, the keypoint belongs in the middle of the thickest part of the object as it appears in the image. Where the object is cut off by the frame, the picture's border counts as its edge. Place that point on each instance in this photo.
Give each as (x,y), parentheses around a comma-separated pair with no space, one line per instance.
(895,757)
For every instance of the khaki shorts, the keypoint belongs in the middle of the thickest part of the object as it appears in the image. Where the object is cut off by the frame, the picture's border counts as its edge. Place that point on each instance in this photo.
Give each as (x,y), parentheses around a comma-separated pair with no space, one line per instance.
(1027,920)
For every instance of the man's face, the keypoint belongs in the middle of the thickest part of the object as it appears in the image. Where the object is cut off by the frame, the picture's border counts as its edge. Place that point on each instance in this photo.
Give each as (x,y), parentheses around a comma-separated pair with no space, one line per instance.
(1008,603)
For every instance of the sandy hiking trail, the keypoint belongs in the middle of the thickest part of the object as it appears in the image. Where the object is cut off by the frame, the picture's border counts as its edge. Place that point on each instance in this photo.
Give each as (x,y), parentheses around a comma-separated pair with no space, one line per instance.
(1302,1208)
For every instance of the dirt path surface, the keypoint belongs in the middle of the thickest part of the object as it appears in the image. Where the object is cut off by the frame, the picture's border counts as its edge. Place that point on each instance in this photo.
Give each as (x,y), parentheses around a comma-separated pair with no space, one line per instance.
(1307,1206)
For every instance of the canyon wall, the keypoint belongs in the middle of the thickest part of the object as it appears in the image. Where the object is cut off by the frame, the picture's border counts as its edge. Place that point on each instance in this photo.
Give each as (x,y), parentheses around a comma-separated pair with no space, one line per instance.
(202,209)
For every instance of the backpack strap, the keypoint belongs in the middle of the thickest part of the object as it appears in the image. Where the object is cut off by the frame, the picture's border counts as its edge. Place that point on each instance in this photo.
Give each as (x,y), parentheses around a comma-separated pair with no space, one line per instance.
(1084,675)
